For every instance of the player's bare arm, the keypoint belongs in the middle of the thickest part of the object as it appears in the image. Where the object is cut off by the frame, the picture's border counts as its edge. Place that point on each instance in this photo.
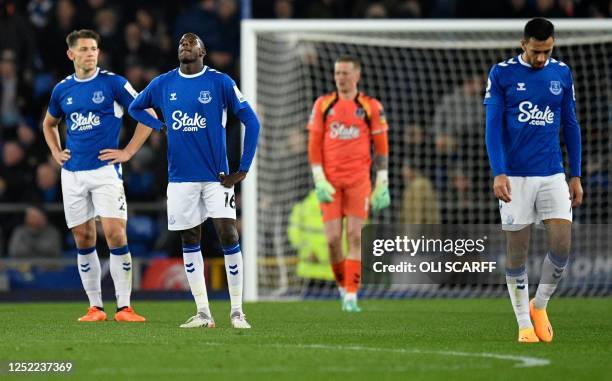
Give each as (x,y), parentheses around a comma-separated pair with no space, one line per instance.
(141,134)
(232,179)
(51,133)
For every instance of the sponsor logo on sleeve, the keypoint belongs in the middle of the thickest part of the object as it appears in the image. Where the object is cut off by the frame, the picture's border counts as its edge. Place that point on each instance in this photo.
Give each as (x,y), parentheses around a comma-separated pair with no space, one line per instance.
(239,94)
(128,87)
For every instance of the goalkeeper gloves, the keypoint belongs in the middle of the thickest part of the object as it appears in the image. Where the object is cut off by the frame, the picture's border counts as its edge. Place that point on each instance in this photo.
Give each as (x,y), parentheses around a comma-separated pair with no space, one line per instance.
(323,189)
(380,197)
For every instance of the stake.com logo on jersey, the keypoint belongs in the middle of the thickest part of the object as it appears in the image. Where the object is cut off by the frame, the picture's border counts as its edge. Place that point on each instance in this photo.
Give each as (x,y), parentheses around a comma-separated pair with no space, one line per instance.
(340,131)
(532,114)
(81,122)
(187,122)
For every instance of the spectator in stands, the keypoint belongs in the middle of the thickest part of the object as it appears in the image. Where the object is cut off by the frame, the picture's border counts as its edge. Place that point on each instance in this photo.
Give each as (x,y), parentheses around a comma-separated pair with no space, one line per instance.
(283,9)
(420,199)
(54,39)
(32,143)
(36,237)
(47,184)
(548,9)
(16,35)
(376,11)
(223,55)
(106,24)
(518,9)
(15,176)
(13,94)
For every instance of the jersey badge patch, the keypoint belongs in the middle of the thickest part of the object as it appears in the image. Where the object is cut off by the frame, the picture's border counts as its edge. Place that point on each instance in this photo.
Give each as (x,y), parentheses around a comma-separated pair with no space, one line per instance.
(98,97)
(555,87)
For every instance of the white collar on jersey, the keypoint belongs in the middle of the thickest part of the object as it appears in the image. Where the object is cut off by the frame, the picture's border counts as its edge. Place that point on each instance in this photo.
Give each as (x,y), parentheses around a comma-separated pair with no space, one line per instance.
(192,75)
(520,59)
(86,79)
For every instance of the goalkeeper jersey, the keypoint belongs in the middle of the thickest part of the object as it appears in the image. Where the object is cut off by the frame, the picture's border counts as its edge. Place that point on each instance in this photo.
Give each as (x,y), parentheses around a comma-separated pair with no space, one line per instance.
(533,104)
(348,126)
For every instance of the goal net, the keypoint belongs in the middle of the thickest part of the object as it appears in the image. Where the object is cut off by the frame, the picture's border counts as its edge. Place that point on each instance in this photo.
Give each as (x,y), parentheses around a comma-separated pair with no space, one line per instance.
(430,77)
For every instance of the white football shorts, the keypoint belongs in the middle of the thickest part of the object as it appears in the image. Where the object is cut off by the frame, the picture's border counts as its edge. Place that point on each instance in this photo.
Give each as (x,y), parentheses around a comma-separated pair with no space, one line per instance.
(190,204)
(98,192)
(534,199)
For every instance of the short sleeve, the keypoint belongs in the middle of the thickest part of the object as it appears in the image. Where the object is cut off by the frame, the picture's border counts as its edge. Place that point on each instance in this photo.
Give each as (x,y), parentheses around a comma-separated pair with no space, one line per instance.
(494,94)
(124,92)
(55,108)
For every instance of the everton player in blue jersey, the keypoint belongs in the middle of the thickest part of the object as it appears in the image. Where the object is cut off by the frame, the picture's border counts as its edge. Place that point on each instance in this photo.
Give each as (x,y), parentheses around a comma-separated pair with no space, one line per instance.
(92,101)
(529,98)
(194,100)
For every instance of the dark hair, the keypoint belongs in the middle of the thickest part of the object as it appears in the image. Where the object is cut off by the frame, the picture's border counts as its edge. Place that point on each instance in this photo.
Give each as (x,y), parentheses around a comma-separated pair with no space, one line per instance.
(539,29)
(354,60)
(75,35)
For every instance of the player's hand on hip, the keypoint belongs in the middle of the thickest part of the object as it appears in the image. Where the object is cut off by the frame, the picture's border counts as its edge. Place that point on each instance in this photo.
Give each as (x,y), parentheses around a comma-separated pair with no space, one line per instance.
(501,187)
(231,179)
(114,156)
(576,193)
(380,198)
(61,156)
(324,191)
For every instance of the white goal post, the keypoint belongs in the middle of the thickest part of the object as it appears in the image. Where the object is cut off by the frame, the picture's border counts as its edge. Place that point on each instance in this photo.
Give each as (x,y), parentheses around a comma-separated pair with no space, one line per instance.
(483,40)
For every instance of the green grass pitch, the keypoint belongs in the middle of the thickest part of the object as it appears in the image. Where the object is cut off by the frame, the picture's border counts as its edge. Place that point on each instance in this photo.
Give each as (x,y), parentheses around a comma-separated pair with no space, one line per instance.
(422,339)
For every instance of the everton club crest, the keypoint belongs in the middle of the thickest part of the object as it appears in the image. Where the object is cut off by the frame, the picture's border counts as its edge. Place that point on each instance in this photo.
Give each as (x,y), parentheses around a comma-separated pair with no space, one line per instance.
(98,97)
(555,87)
(205,97)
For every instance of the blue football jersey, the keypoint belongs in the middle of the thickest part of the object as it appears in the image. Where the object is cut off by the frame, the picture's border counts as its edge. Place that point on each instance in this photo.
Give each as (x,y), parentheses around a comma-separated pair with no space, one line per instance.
(536,103)
(93,109)
(194,108)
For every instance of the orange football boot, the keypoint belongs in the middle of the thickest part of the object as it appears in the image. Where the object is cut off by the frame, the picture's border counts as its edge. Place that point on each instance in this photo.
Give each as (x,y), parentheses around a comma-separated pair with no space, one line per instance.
(94,314)
(540,322)
(127,314)
(527,335)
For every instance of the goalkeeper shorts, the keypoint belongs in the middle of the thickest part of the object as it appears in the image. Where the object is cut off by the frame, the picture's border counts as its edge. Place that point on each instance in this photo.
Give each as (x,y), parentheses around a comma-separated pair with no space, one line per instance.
(350,199)
(534,199)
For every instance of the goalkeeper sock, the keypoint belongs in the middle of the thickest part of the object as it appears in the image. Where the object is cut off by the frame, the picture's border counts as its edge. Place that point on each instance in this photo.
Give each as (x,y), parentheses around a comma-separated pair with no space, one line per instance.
(89,270)
(552,270)
(518,288)
(121,272)
(352,270)
(194,268)
(233,270)
(338,269)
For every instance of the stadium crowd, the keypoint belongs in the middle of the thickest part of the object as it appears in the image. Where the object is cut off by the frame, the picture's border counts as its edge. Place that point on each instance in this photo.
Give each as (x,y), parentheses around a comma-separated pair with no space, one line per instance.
(139,40)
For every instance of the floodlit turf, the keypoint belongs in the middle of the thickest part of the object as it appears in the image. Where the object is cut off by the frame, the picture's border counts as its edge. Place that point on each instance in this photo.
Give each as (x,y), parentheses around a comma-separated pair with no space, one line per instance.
(458,339)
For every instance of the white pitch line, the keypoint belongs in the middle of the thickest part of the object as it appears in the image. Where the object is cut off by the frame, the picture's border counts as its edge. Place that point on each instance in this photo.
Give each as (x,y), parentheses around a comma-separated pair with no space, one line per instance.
(522,361)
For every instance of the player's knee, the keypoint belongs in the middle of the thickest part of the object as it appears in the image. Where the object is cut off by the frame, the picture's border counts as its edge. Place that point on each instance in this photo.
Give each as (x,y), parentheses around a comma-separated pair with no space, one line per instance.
(228,235)
(190,236)
(334,243)
(116,237)
(561,247)
(84,237)
(354,237)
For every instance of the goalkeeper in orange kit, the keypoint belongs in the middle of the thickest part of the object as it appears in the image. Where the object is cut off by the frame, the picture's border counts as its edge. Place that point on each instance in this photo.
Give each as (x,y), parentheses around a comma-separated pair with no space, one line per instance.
(342,127)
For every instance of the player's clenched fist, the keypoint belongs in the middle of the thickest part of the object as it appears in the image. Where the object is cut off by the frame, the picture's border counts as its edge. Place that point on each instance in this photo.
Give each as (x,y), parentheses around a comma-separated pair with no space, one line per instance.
(501,187)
